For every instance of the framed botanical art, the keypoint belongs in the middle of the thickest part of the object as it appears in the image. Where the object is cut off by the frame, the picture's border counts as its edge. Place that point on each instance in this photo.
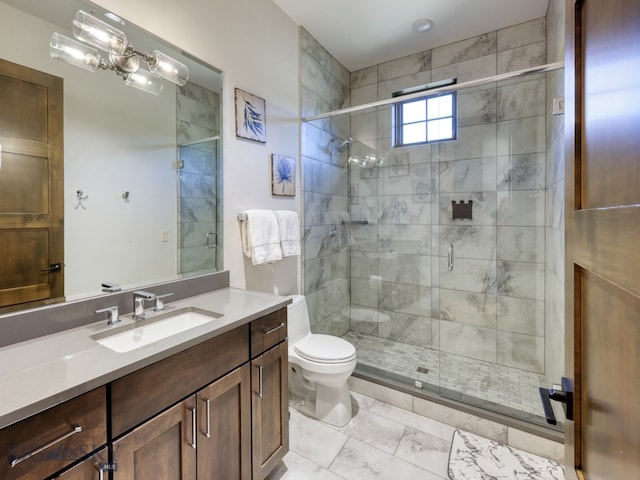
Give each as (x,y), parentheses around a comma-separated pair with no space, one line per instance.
(251,117)
(283,176)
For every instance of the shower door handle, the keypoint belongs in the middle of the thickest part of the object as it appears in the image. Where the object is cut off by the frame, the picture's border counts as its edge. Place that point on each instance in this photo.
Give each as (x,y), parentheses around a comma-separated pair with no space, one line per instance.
(450,266)
(563,395)
(208,241)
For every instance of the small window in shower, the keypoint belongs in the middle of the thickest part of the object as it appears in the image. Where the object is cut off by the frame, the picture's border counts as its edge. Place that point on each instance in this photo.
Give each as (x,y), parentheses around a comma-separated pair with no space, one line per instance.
(427,119)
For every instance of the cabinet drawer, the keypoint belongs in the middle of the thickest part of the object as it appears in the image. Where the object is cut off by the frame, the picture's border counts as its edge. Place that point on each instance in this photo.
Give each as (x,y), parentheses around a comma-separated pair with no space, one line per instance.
(146,392)
(42,444)
(268,331)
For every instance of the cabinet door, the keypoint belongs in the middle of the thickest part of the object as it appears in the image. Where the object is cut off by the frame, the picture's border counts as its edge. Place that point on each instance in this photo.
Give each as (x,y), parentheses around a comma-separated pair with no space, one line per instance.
(88,469)
(270,409)
(53,439)
(224,424)
(162,448)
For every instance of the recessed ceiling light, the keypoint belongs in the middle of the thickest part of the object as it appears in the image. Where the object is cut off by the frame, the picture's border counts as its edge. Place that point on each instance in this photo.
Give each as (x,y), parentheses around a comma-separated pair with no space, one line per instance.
(422,25)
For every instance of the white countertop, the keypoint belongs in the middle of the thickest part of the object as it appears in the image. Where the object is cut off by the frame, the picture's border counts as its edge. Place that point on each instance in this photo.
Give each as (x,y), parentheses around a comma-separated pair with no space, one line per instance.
(40,373)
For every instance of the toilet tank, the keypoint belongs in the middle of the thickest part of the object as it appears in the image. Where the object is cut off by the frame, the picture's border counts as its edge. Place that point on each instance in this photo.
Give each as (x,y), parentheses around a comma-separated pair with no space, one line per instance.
(297,319)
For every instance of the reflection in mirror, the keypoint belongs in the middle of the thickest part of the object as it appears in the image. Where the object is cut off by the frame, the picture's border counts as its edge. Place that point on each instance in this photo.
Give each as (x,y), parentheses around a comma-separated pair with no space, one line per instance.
(148,167)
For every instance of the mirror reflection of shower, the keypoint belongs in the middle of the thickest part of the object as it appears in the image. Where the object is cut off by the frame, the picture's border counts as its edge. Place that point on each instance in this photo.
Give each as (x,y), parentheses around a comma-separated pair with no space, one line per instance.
(360,154)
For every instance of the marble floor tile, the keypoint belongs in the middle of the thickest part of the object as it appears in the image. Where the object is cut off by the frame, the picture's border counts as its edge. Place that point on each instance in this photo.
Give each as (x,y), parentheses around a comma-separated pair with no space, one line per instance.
(358,461)
(425,451)
(322,452)
(297,467)
(314,440)
(374,430)
(411,419)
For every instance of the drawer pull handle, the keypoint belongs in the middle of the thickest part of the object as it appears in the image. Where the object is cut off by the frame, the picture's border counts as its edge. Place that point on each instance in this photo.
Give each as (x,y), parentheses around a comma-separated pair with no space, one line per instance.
(194,428)
(13,461)
(207,432)
(267,331)
(260,380)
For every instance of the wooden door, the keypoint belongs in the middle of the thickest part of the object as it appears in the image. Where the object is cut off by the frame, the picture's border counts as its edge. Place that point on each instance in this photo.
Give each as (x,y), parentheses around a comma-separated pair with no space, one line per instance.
(224,426)
(270,407)
(31,186)
(162,448)
(603,237)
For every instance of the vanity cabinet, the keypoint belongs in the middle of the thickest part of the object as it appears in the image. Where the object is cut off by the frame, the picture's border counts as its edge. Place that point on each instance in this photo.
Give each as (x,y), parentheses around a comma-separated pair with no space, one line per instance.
(269,402)
(215,411)
(144,393)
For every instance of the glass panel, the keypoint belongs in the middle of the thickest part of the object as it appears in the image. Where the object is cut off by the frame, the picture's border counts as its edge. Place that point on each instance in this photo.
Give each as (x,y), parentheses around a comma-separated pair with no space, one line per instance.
(414,112)
(473,330)
(440,129)
(414,133)
(438,107)
(198,183)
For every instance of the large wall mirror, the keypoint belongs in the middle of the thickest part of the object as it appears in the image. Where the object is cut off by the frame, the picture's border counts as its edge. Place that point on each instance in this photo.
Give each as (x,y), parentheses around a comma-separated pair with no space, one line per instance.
(142,173)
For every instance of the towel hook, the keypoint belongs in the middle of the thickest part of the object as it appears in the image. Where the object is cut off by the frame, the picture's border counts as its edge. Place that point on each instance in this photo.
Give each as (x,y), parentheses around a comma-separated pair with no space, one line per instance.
(80,196)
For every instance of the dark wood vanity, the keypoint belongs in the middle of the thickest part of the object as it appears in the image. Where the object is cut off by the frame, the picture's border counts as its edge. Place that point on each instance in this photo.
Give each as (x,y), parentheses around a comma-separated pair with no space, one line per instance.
(217,410)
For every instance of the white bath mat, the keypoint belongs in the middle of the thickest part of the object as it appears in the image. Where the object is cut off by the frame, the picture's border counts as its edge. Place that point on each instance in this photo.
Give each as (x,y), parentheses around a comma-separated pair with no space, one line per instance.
(477,458)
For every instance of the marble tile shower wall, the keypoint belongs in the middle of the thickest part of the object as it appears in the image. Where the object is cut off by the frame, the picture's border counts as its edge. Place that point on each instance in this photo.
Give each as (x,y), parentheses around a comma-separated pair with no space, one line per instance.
(325,87)
(198,117)
(491,306)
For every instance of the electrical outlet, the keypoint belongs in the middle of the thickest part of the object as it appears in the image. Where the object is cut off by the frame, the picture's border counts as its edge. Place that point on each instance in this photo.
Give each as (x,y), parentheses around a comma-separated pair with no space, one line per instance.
(164,236)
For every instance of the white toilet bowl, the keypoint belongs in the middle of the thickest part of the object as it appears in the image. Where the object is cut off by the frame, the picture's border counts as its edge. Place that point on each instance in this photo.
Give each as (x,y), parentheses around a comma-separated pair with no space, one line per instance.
(319,367)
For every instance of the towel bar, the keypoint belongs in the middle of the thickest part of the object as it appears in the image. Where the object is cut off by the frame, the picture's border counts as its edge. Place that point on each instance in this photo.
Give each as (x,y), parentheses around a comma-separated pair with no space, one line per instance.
(242,217)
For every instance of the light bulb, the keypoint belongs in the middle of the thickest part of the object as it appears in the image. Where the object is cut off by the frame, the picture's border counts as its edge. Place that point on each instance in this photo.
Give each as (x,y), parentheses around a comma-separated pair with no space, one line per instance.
(145,81)
(94,31)
(168,68)
(74,52)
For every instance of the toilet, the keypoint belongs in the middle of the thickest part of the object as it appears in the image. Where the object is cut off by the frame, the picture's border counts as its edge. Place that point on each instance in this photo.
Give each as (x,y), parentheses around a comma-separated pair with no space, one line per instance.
(319,367)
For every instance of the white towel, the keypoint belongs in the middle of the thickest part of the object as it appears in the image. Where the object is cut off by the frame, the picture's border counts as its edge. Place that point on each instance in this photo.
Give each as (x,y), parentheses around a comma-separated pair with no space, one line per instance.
(289,225)
(261,236)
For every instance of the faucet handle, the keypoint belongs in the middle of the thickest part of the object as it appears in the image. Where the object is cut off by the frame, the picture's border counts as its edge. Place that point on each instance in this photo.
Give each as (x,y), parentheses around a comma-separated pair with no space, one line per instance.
(160,301)
(112,314)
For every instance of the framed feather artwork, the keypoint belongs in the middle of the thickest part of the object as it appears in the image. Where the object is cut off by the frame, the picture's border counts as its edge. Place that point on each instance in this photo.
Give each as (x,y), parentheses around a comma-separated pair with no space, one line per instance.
(251,117)
(283,176)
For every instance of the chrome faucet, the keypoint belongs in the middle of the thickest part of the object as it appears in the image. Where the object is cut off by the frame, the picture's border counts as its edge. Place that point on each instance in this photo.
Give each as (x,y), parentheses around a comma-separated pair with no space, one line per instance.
(112,314)
(159,306)
(139,297)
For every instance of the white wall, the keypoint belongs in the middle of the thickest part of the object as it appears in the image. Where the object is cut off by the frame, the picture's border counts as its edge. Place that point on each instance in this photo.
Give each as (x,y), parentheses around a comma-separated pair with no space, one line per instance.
(256,46)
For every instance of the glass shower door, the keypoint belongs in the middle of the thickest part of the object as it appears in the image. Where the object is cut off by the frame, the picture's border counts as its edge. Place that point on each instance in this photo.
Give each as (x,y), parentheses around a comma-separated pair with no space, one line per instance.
(199,214)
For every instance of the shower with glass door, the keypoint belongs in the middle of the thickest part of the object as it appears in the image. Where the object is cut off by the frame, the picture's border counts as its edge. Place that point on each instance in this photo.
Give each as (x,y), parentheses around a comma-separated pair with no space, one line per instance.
(431,258)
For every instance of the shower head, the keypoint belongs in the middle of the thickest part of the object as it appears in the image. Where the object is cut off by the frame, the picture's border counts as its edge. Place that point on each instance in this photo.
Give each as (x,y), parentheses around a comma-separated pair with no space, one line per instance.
(345,144)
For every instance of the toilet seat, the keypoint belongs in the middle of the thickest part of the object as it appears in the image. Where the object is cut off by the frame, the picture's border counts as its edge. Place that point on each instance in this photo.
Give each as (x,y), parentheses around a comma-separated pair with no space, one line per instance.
(325,349)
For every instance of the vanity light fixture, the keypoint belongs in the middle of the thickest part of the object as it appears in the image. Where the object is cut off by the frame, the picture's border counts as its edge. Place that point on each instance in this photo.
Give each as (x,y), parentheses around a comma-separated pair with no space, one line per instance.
(123,59)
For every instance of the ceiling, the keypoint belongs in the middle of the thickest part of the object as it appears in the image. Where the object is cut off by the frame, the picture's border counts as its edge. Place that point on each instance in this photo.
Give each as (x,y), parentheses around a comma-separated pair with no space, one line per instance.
(362,33)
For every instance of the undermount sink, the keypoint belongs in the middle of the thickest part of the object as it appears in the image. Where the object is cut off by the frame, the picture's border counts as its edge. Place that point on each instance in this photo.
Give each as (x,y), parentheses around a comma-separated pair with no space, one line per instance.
(153,329)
